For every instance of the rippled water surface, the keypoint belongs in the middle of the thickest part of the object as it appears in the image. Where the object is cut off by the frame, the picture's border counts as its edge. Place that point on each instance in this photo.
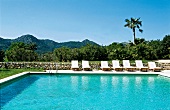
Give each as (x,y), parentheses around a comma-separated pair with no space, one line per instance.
(87,92)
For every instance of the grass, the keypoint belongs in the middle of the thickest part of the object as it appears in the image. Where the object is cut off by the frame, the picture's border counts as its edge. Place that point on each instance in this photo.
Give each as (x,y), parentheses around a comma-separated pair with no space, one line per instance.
(9,72)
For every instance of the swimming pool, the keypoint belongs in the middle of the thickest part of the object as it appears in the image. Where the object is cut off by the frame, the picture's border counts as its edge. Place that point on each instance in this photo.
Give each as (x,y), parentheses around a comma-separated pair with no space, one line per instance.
(86,92)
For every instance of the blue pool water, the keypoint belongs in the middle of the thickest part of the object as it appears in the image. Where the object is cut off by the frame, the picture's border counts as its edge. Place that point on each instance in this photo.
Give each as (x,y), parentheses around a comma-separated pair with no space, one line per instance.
(87,92)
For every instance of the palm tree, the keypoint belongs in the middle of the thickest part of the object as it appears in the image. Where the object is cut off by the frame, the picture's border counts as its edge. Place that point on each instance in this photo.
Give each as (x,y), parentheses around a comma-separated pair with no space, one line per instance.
(133,23)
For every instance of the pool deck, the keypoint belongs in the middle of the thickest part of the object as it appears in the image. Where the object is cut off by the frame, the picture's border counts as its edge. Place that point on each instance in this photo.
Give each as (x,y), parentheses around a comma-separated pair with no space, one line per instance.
(165,73)
(12,77)
(98,72)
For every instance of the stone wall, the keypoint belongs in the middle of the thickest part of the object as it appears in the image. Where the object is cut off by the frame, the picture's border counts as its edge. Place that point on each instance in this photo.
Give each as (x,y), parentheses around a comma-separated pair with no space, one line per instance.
(165,66)
(43,65)
(58,65)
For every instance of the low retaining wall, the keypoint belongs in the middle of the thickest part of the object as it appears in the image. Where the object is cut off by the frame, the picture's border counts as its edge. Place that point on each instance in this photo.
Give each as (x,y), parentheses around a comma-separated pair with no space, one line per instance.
(43,65)
(165,66)
(56,65)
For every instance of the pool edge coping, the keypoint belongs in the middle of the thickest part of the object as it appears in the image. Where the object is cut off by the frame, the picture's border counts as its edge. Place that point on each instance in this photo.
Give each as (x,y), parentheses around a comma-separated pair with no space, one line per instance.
(162,73)
(12,77)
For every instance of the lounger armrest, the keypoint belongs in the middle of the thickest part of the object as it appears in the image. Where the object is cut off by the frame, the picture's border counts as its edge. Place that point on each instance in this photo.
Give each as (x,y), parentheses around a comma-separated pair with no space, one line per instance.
(158,68)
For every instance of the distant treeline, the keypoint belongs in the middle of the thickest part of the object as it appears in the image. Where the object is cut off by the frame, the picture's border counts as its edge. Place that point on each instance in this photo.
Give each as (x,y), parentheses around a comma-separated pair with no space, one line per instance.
(142,49)
(43,45)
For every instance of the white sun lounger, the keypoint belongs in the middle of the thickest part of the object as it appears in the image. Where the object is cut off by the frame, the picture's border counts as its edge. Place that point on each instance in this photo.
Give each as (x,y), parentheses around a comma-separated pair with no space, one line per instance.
(104,66)
(74,65)
(85,65)
(116,65)
(152,66)
(139,65)
(127,67)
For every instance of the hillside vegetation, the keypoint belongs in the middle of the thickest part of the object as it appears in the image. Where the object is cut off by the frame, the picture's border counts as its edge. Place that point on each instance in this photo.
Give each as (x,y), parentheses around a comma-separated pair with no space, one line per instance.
(140,50)
(43,45)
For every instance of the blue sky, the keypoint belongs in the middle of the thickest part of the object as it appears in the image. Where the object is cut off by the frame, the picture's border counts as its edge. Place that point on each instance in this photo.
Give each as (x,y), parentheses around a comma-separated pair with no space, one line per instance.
(75,20)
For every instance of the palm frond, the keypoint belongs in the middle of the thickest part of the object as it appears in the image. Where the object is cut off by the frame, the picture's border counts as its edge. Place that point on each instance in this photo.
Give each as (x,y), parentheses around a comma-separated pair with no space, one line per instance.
(133,23)
(126,25)
(126,20)
(138,19)
(133,20)
(140,23)
(140,30)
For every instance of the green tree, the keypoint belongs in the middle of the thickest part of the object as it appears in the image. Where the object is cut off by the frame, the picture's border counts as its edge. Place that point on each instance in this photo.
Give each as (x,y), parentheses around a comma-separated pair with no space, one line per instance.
(157,48)
(2,55)
(31,46)
(49,56)
(166,46)
(93,52)
(63,54)
(134,23)
(139,41)
(21,52)
(141,51)
(117,51)
(102,53)
(76,54)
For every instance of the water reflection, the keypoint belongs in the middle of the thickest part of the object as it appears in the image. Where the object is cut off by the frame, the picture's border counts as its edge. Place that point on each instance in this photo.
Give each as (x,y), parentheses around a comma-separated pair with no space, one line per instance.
(151,82)
(125,82)
(150,79)
(103,81)
(74,82)
(138,82)
(114,81)
(85,80)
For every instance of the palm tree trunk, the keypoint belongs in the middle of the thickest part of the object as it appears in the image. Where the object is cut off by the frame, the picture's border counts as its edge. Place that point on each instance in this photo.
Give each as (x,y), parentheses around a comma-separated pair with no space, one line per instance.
(134,36)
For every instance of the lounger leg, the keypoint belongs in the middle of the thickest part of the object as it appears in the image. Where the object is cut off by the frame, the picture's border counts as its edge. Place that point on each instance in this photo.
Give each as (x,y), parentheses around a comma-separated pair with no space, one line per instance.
(156,70)
(106,69)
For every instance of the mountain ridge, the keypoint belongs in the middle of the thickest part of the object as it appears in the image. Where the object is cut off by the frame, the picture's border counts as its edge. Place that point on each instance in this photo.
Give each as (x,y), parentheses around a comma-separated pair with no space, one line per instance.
(43,45)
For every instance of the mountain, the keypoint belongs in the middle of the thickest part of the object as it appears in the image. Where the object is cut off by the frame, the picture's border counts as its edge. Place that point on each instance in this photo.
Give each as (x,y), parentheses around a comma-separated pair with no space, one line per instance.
(4,43)
(43,45)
